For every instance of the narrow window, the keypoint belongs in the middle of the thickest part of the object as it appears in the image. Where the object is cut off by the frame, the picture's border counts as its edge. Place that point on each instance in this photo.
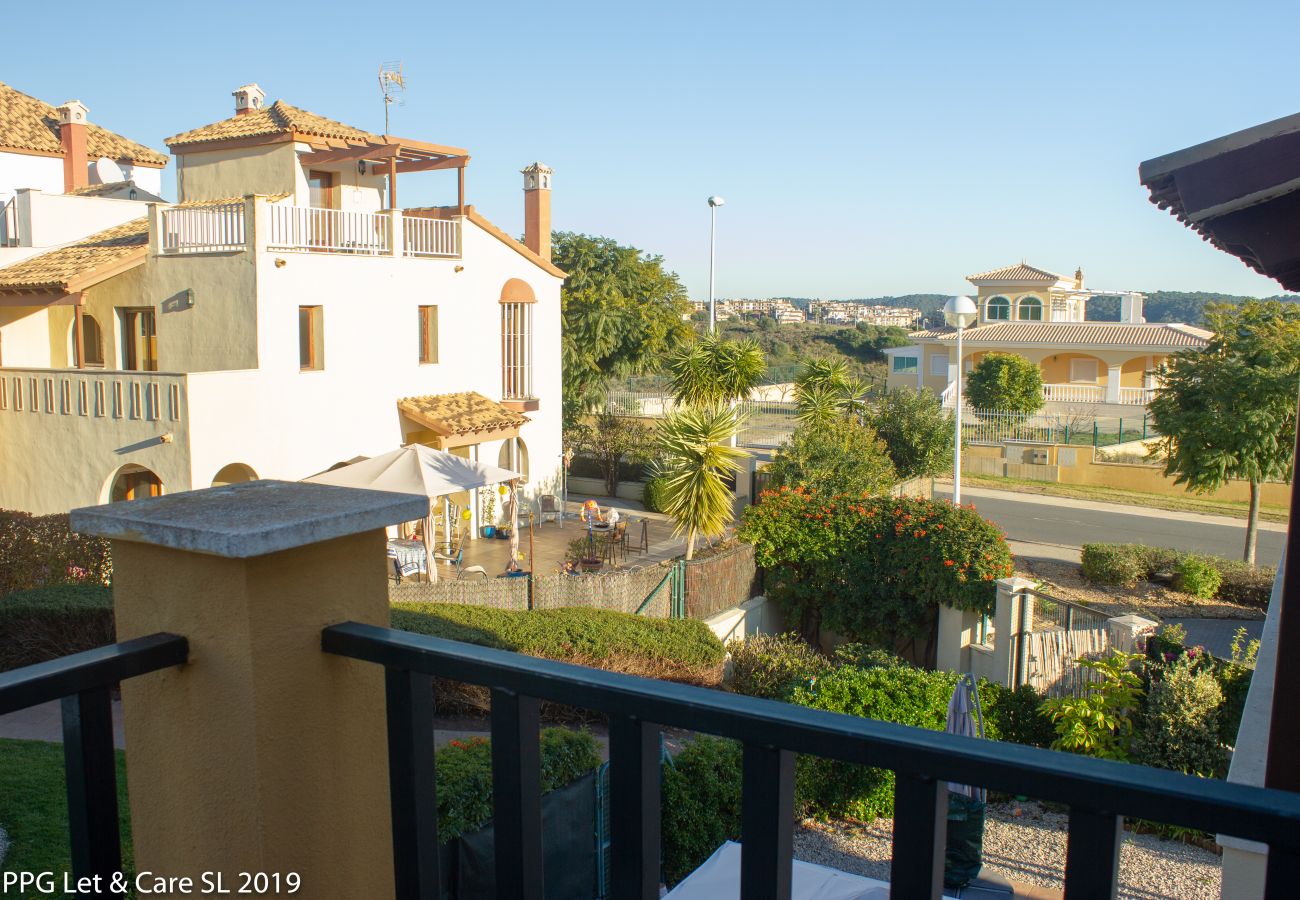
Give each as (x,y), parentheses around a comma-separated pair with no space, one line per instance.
(311,344)
(428,334)
(139,340)
(517,351)
(92,343)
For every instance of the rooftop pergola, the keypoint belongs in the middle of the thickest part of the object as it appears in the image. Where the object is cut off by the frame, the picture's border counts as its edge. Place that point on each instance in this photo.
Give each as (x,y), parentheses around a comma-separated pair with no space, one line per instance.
(397,155)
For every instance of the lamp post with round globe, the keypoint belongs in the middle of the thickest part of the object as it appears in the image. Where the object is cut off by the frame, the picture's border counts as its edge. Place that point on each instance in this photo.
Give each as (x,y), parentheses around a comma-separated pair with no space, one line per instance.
(714,202)
(960,313)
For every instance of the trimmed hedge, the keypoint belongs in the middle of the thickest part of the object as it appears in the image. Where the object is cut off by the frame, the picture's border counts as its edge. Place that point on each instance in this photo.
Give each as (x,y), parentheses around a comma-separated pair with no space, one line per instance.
(700,804)
(40,550)
(675,649)
(1127,564)
(45,623)
(463,772)
(652,494)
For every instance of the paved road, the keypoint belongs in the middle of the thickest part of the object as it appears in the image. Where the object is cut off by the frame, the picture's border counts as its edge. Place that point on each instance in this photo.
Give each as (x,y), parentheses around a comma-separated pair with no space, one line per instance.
(1065,522)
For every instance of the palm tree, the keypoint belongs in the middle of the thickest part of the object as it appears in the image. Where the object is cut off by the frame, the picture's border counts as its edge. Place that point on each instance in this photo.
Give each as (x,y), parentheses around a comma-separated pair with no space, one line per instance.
(825,388)
(818,404)
(696,457)
(715,372)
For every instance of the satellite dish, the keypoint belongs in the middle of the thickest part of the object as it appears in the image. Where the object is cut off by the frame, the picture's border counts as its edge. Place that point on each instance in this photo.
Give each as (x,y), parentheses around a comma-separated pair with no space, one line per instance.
(108,171)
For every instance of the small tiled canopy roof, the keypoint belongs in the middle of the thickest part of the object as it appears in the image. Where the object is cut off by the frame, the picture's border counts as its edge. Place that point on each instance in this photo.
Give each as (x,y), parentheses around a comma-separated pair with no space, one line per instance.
(30,124)
(1240,192)
(1115,335)
(454,415)
(278,118)
(82,263)
(1018,272)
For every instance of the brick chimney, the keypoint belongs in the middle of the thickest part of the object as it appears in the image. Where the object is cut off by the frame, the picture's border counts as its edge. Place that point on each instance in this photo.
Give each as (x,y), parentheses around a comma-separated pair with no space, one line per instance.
(537,209)
(248,98)
(72,135)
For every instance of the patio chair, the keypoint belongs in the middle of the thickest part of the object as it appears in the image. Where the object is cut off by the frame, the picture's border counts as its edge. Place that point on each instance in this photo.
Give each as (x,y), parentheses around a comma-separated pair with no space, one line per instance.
(471,570)
(550,508)
(453,558)
(615,544)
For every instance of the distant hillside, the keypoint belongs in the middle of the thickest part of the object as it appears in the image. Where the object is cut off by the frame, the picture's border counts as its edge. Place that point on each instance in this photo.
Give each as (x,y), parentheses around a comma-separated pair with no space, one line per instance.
(1172,306)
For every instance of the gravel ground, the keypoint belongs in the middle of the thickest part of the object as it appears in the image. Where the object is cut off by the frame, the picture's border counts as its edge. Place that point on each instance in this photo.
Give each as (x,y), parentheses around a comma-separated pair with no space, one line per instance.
(1030,848)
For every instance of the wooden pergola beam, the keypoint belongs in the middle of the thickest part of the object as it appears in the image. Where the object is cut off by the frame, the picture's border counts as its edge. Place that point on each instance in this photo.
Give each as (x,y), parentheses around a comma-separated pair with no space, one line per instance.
(430,165)
(350,154)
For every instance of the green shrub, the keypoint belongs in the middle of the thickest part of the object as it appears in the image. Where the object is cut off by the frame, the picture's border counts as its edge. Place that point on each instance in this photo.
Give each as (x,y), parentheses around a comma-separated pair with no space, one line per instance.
(652,494)
(1122,564)
(1016,716)
(908,696)
(1245,585)
(1180,721)
(1100,722)
(701,804)
(873,569)
(40,550)
(865,656)
(463,772)
(48,622)
(678,649)
(772,666)
(1197,575)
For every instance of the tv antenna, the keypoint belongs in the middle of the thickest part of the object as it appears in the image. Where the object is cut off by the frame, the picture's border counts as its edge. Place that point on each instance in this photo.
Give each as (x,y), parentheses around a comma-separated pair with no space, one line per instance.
(392,84)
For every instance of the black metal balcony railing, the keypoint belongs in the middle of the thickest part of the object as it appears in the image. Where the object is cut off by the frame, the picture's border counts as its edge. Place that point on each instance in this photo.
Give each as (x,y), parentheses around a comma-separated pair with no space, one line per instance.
(84,683)
(1099,793)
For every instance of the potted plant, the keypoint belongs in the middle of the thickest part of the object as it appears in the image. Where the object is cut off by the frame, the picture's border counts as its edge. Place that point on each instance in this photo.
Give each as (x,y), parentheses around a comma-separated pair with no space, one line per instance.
(487,509)
(578,554)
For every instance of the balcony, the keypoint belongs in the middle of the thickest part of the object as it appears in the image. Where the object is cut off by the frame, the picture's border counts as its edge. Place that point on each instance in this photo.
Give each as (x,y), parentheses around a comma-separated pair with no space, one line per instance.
(1079,394)
(224,228)
(93,394)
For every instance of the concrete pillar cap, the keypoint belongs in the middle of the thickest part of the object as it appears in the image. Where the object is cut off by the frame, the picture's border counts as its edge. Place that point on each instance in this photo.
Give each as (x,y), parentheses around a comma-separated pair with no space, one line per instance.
(239,521)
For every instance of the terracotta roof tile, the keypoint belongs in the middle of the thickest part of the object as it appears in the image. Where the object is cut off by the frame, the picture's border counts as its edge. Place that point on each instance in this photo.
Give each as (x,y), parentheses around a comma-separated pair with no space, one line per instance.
(457,414)
(56,269)
(110,188)
(1019,272)
(1163,336)
(278,118)
(30,124)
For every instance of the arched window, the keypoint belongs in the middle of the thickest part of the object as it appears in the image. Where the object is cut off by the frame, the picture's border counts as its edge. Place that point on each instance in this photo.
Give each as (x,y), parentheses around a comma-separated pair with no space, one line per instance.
(91,345)
(997,309)
(514,456)
(134,483)
(1031,310)
(235,473)
(517,302)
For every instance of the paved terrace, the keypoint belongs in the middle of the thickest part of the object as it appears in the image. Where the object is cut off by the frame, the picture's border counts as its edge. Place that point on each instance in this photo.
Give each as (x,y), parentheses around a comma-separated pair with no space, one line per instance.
(551,539)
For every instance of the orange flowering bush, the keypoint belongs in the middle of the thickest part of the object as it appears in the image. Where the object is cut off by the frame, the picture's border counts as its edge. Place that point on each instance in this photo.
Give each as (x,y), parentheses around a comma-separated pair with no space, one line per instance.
(873,569)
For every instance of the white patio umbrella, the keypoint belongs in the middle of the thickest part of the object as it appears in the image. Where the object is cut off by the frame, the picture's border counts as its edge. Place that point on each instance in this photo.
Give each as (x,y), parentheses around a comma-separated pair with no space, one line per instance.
(417,469)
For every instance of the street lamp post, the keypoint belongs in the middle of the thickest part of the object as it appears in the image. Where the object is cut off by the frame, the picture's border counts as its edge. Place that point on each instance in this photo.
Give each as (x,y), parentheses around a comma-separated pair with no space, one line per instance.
(960,313)
(714,202)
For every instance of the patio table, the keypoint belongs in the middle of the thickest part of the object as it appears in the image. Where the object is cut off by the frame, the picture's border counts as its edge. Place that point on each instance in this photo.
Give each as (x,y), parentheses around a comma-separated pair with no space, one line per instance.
(409,554)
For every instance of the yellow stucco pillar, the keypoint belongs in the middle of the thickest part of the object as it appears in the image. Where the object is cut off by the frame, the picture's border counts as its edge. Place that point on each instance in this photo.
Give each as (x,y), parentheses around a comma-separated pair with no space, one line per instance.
(263,754)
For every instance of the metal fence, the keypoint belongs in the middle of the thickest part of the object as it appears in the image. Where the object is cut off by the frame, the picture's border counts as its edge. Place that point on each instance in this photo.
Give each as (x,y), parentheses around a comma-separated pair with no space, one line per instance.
(763,423)
(990,426)
(672,589)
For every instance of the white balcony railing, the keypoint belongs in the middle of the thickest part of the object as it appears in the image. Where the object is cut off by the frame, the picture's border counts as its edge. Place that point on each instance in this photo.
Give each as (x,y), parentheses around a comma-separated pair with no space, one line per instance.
(329,230)
(203,229)
(431,237)
(1136,396)
(92,393)
(1074,393)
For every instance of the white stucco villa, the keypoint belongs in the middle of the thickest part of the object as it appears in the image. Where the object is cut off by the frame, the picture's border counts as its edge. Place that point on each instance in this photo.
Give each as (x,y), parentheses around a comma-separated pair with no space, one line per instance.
(283,317)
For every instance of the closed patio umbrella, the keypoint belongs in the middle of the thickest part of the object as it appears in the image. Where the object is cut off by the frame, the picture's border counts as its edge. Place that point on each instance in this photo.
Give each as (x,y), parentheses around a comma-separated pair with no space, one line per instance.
(964,853)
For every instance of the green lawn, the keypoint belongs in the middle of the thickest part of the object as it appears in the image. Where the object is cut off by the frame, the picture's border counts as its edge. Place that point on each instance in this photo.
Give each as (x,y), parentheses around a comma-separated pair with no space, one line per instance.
(34,808)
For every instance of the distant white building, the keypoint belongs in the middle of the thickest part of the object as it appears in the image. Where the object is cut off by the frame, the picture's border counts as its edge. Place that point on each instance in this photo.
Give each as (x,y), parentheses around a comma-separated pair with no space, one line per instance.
(284,317)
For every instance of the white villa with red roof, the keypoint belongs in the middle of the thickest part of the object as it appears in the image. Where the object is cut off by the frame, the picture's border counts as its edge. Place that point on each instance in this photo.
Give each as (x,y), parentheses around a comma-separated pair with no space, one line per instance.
(1042,316)
(283,317)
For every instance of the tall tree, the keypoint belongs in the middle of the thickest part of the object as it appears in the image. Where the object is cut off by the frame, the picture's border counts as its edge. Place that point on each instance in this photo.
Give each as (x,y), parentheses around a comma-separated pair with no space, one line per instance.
(714,371)
(1229,411)
(622,311)
(1005,382)
(916,429)
(695,460)
(611,440)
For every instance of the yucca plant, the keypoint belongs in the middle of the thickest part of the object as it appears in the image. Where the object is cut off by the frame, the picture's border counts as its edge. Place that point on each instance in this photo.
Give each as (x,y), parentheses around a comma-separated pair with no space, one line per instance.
(715,372)
(696,457)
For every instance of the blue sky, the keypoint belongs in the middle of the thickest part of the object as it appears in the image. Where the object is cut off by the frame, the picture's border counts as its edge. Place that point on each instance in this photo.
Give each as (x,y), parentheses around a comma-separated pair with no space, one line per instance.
(863,148)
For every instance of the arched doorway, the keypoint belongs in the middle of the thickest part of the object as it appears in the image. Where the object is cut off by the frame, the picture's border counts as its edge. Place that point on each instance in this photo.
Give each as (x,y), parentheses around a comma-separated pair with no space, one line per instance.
(134,483)
(234,473)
